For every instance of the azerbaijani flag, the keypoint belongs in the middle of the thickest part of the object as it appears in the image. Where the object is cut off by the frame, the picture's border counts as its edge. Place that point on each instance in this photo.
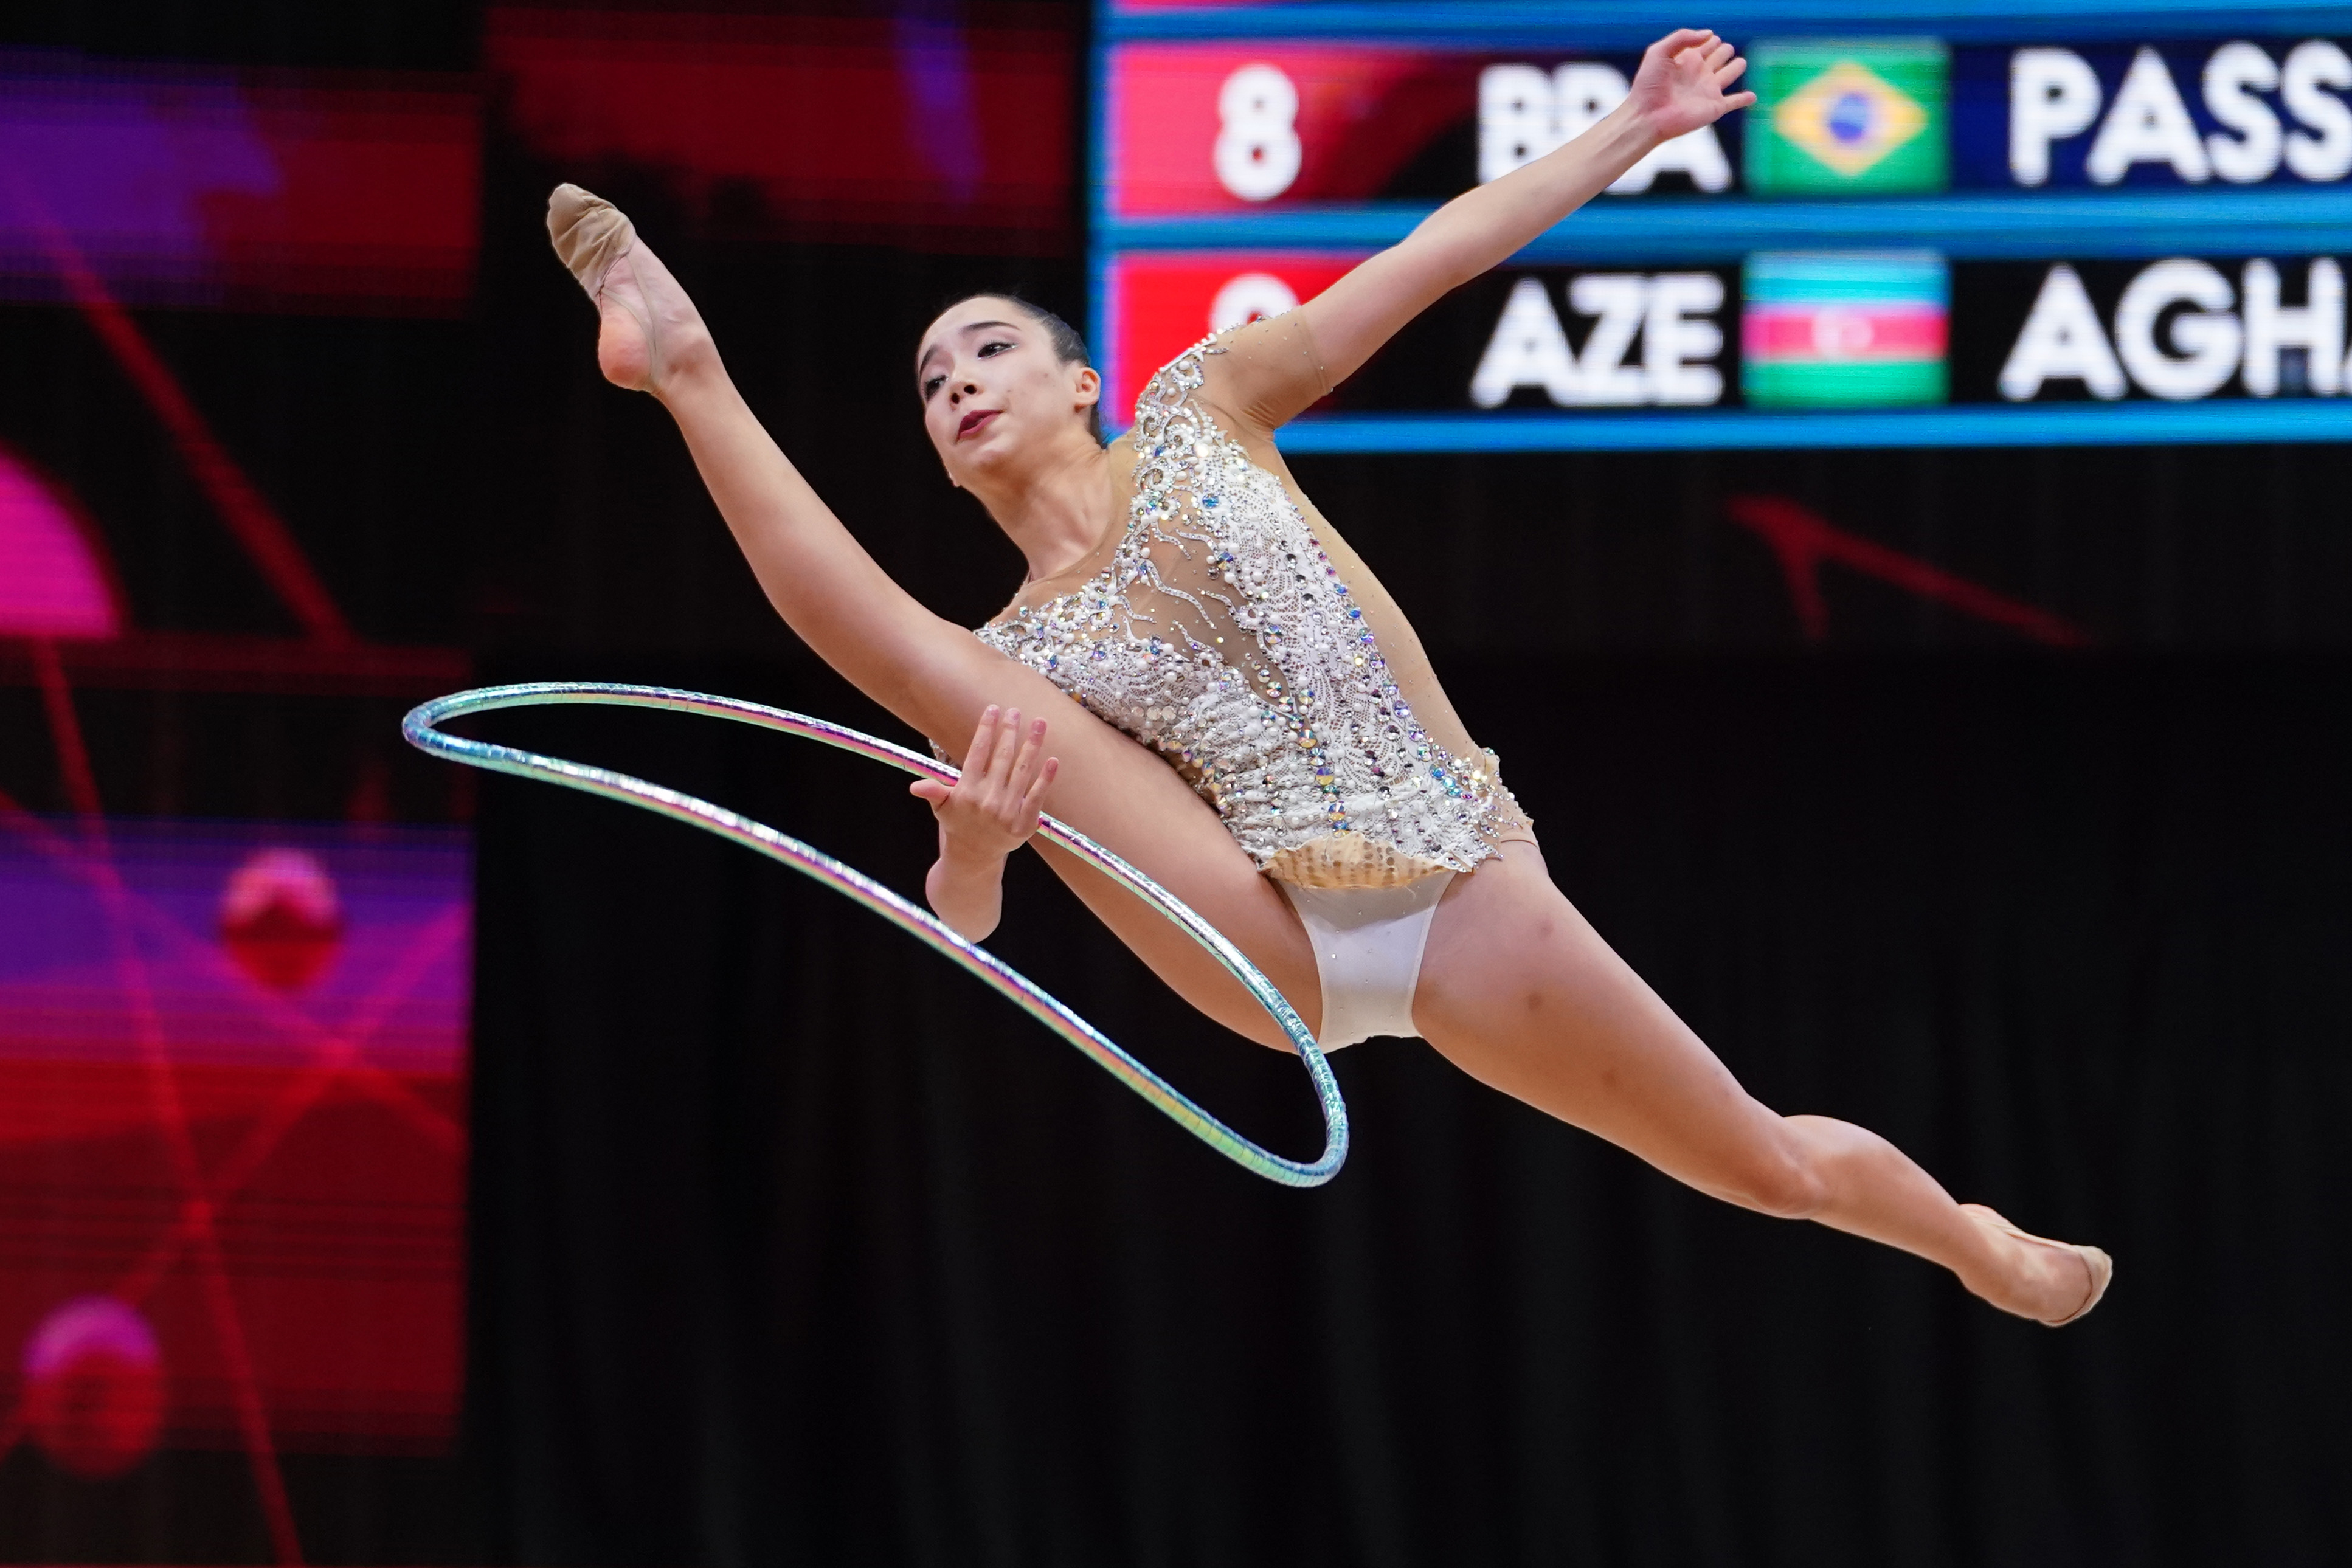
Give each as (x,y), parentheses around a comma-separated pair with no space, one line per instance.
(1844,329)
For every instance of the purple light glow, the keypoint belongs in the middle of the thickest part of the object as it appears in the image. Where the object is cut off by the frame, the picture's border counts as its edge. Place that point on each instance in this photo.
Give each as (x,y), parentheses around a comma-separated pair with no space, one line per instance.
(126,167)
(188,185)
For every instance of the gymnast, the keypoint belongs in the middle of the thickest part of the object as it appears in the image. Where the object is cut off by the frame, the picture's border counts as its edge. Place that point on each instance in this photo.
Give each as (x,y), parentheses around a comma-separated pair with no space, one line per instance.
(1239,709)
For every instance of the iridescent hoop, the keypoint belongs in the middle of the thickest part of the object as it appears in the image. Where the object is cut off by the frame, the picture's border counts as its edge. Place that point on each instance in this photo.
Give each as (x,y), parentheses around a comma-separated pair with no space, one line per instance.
(420,728)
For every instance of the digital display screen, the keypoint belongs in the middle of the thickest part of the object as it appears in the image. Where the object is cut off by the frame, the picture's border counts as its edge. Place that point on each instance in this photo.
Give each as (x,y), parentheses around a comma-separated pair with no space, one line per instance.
(191,185)
(802,127)
(352,192)
(2055,228)
(232,1059)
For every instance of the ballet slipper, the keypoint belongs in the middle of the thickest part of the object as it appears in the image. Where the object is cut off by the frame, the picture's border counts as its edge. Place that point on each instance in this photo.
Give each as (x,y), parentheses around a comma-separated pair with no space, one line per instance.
(2095,1263)
(590,235)
(650,330)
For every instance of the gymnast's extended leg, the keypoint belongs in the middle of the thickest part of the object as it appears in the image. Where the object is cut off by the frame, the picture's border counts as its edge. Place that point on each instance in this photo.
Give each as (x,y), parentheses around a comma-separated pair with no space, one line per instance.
(930,672)
(1521,993)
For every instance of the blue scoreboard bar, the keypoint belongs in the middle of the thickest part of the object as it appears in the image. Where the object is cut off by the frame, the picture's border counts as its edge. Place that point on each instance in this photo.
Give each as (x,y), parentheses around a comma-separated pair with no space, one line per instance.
(1942,223)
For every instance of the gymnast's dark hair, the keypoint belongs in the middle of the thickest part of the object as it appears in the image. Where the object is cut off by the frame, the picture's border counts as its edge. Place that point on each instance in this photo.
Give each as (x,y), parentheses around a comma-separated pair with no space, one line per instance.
(1069,347)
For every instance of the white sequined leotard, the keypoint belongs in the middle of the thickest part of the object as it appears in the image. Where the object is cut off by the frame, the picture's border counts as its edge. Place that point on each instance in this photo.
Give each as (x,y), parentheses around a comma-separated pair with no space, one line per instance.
(1223,635)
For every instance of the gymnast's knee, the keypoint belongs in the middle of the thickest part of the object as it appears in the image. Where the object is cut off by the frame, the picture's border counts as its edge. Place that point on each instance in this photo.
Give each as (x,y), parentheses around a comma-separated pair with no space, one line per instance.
(1784,1181)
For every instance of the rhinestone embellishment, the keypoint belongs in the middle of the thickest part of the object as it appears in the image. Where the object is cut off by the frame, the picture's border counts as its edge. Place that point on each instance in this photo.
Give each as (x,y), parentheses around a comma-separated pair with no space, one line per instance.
(1221,636)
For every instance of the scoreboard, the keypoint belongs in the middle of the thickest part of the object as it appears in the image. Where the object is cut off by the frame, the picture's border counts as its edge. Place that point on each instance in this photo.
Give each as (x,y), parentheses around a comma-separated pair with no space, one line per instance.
(1985,223)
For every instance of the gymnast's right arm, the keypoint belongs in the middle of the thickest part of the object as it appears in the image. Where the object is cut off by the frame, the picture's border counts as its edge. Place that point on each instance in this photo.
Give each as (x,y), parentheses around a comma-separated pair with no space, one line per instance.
(1685,82)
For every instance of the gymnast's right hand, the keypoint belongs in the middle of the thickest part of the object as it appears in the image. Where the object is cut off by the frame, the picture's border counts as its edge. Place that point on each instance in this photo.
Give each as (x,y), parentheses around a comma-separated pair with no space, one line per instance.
(983,817)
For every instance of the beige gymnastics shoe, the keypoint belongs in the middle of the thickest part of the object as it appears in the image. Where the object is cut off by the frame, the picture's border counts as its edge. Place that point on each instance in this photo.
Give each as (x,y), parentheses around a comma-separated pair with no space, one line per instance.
(2095,1263)
(590,235)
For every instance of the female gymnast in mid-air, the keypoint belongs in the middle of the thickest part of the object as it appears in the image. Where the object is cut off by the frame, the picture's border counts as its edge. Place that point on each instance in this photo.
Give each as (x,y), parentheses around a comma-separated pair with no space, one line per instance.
(1254,723)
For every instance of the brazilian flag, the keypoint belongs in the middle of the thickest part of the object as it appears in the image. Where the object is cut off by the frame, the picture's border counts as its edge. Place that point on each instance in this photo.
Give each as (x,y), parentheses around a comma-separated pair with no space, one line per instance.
(1867,117)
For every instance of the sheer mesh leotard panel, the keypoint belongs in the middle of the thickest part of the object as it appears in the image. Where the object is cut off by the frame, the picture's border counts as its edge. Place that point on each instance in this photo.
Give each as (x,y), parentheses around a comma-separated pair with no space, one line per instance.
(1223,635)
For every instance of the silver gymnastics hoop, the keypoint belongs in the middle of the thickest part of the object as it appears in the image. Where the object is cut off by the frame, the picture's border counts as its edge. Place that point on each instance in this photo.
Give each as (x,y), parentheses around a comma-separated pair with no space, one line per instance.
(421,729)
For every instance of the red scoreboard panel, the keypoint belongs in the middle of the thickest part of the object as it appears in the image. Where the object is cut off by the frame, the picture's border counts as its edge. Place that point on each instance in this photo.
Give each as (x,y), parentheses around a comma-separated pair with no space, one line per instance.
(1228,128)
(2065,223)
(1162,305)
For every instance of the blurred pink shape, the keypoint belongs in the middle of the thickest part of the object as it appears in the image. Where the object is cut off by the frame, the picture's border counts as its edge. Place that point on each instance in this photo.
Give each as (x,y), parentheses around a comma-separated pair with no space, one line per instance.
(282,919)
(94,1386)
(52,581)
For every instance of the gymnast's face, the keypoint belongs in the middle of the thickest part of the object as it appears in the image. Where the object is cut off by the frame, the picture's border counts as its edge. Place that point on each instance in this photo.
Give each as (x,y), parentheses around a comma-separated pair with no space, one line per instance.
(995,398)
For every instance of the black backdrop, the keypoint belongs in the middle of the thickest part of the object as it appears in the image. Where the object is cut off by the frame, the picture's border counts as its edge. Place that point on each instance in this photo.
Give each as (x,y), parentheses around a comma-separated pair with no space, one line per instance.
(795,1245)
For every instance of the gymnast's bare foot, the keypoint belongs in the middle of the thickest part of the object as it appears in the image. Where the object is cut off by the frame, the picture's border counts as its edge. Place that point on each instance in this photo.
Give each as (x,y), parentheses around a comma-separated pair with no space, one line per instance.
(650,335)
(2052,1282)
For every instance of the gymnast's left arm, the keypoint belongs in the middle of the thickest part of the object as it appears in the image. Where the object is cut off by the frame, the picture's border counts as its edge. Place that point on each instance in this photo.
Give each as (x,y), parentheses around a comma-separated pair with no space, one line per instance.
(1685,82)
(985,816)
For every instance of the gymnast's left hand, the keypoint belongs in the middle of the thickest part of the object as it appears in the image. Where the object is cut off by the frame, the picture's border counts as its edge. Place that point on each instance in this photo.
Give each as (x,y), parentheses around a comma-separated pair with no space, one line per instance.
(1685,82)
(983,817)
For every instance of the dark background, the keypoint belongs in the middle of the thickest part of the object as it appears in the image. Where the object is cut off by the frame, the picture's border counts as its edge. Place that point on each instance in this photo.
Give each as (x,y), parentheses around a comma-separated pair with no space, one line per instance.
(794,1250)
(790,1245)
